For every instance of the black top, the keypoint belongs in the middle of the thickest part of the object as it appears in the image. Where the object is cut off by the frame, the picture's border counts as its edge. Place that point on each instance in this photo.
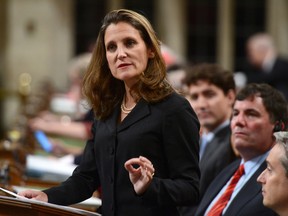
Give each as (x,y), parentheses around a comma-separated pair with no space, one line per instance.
(167,133)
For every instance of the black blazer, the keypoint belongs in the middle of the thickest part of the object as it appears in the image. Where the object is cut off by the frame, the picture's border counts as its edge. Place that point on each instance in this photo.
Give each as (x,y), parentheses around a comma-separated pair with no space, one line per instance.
(248,202)
(167,133)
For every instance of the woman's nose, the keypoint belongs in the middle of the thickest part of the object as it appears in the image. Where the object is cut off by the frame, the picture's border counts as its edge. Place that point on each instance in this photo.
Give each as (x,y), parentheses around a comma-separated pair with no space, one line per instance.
(121,52)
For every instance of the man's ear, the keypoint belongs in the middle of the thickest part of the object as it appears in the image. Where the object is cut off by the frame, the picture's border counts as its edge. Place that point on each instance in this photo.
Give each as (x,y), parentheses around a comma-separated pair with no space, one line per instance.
(231,96)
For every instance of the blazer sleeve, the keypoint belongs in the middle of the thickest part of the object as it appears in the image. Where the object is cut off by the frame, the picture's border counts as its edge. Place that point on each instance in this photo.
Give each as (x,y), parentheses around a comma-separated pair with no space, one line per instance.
(83,182)
(181,151)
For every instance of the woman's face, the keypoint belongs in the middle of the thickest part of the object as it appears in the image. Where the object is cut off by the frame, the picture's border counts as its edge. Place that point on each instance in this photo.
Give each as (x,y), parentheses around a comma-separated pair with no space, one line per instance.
(126,52)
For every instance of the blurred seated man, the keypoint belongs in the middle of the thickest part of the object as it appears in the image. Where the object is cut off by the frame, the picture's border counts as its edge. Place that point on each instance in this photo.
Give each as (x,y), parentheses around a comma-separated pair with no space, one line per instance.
(211,92)
(267,66)
(77,129)
(274,178)
(175,75)
(75,120)
(174,66)
(256,112)
(64,125)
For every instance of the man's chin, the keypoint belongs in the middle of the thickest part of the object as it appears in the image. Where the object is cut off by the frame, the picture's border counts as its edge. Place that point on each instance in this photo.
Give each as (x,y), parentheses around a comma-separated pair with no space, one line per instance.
(208,124)
(266,203)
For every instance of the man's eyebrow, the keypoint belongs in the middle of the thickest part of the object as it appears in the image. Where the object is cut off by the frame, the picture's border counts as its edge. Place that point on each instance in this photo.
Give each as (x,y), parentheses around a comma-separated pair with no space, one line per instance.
(252,110)
(209,90)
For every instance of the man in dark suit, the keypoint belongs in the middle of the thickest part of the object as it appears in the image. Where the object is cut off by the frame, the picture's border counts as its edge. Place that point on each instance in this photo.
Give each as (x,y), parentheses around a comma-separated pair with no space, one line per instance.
(266,65)
(257,112)
(211,92)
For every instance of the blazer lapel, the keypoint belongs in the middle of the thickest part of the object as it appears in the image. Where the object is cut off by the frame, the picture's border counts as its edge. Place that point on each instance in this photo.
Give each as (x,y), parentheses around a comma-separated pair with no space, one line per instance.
(140,111)
(214,145)
(248,192)
(112,121)
(216,186)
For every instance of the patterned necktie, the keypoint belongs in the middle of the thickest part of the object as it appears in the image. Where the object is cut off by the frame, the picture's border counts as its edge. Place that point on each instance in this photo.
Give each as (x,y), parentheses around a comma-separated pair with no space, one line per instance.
(218,207)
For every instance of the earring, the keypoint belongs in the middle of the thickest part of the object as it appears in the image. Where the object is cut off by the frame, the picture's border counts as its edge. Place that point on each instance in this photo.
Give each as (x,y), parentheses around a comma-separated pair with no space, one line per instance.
(279,126)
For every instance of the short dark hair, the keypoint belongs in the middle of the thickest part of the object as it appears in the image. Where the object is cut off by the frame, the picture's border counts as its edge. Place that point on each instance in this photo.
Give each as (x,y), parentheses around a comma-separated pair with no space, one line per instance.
(212,73)
(273,100)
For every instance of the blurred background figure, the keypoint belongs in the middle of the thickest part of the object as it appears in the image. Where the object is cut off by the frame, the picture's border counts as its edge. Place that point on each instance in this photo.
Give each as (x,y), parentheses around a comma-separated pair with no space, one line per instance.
(274,178)
(211,92)
(68,115)
(266,65)
(59,129)
(72,102)
(174,66)
(64,125)
(171,58)
(175,76)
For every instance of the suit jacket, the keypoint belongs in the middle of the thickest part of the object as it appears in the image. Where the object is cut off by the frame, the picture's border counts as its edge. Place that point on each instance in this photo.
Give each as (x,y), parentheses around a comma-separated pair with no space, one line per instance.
(167,133)
(218,154)
(249,200)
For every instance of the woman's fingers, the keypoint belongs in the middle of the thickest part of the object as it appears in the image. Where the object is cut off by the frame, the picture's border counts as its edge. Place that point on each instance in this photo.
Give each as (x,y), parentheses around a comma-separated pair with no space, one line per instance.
(134,164)
(149,168)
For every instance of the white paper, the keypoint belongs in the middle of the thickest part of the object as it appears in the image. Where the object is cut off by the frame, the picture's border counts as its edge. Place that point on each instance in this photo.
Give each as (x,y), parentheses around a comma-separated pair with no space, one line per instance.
(12,193)
(49,165)
(67,208)
(93,201)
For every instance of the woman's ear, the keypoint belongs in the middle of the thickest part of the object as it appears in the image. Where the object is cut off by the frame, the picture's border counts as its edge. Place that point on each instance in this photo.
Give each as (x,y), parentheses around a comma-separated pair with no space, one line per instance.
(151,54)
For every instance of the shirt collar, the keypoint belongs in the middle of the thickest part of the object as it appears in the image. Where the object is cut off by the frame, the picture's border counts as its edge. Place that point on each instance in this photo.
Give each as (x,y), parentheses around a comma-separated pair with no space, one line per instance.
(268,64)
(210,135)
(249,165)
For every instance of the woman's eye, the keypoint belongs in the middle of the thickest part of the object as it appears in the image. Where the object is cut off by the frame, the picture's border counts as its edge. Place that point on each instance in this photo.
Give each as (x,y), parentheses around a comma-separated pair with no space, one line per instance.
(130,43)
(111,48)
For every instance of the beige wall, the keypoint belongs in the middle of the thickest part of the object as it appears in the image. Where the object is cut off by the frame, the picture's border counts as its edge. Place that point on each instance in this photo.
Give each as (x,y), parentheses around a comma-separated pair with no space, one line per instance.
(276,23)
(225,34)
(114,4)
(170,24)
(39,42)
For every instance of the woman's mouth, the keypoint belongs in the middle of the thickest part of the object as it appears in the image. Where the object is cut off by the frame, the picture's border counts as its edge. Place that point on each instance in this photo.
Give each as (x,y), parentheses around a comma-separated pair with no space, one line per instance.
(123,65)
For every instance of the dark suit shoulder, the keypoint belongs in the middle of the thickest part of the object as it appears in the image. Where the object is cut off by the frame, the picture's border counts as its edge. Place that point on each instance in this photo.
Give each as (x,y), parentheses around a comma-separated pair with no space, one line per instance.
(218,154)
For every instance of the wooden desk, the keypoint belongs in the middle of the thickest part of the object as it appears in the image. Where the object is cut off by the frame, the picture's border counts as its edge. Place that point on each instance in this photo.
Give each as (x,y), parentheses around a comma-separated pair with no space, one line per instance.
(13,171)
(22,207)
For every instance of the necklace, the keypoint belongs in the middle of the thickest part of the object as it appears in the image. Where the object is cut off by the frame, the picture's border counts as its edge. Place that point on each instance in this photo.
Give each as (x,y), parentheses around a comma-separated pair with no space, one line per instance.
(125,109)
